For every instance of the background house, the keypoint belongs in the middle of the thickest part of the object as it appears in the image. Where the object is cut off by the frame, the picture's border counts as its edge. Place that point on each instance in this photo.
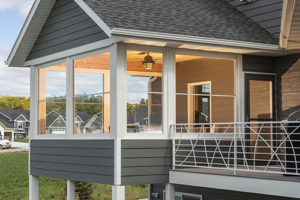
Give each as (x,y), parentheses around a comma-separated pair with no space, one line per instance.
(14,123)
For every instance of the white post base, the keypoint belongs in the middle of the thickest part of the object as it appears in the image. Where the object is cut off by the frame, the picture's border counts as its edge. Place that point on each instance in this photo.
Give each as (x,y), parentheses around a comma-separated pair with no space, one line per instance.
(33,187)
(170,191)
(118,192)
(70,190)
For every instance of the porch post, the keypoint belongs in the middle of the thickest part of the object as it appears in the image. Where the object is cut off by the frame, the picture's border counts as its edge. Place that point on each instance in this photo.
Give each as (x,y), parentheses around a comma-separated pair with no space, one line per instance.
(118,192)
(33,187)
(118,113)
(70,190)
(170,191)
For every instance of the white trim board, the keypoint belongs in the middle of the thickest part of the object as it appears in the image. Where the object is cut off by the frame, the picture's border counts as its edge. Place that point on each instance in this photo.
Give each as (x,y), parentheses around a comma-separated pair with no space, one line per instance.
(194,39)
(237,183)
(94,17)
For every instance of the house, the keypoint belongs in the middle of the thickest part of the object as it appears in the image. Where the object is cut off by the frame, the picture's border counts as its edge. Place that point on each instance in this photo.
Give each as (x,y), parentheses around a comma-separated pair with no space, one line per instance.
(192,95)
(85,123)
(14,124)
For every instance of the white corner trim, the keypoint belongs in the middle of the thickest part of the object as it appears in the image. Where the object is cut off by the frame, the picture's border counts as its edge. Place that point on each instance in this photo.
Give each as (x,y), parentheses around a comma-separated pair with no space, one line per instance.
(94,17)
(22,32)
(194,39)
(286,22)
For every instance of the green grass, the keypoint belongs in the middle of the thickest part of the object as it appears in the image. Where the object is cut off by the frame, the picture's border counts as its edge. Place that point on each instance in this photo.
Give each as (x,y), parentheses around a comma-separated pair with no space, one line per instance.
(24,140)
(14,183)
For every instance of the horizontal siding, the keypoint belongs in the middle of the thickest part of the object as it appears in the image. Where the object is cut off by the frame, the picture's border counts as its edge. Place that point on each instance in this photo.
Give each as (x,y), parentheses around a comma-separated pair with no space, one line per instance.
(81,160)
(67,26)
(145,161)
(267,13)
(288,82)
(259,64)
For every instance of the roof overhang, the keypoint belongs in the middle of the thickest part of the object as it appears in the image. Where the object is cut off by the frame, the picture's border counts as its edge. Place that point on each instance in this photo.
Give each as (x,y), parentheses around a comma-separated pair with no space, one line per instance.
(42,8)
(30,31)
(193,42)
(290,26)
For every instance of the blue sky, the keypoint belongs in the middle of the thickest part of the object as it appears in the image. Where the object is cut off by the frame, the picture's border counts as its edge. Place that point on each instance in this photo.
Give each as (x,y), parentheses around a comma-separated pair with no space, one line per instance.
(13,81)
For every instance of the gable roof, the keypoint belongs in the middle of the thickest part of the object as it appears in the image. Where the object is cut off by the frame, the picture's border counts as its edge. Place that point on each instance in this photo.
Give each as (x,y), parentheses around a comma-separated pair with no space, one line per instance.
(213,22)
(203,18)
(7,116)
(266,13)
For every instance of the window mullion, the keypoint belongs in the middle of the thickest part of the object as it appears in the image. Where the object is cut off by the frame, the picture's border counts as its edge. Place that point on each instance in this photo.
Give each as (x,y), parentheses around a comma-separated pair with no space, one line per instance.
(69,98)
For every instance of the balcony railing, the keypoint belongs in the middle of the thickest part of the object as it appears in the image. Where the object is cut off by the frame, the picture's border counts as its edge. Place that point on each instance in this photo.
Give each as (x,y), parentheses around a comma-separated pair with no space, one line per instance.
(269,147)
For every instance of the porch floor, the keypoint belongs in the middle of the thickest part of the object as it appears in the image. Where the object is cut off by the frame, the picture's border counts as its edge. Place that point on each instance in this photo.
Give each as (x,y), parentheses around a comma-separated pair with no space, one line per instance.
(248,174)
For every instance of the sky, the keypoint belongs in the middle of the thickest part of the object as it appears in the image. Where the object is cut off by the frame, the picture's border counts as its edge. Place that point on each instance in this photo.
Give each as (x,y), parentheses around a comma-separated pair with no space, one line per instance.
(13,81)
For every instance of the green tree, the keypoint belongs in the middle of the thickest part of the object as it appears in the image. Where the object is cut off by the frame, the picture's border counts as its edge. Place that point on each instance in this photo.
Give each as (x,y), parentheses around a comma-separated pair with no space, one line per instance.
(9,102)
(84,190)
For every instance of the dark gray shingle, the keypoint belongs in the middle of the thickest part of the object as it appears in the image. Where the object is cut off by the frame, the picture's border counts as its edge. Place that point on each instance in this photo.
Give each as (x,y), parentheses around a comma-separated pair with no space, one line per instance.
(203,18)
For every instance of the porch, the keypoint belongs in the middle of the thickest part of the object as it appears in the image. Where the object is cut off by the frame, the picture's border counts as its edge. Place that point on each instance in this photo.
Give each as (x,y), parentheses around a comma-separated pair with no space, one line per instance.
(258,157)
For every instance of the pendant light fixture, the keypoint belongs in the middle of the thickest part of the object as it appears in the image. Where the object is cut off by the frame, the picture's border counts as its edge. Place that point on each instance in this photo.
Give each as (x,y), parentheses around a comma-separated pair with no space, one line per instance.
(148,62)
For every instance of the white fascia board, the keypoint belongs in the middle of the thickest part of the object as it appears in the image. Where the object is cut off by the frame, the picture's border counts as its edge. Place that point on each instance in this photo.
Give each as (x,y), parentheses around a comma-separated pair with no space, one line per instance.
(94,17)
(286,22)
(193,39)
(25,28)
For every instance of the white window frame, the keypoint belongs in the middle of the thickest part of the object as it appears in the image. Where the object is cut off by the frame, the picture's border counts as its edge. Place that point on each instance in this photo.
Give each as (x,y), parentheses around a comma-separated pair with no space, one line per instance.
(36,96)
(22,125)
(71,92)
(163,133)
(190,106)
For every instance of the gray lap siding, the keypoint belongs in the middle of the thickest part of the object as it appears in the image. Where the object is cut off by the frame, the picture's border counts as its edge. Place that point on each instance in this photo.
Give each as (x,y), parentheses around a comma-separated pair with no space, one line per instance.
(80,160)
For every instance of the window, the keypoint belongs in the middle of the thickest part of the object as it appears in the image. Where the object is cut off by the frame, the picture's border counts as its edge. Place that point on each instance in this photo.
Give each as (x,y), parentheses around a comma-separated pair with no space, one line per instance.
(199,103)
(20,125)
(144,92)
(92,94)
(184,196)
(52,97)
(205,90)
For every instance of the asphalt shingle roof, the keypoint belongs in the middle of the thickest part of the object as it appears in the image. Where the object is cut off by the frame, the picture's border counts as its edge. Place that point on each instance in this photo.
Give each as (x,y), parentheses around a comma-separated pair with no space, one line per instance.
(203,18)
(12,114)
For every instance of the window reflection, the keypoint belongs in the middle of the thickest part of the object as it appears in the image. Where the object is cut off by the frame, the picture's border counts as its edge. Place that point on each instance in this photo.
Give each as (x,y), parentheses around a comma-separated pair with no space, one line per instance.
(92,94)
(52,99)
(144,92)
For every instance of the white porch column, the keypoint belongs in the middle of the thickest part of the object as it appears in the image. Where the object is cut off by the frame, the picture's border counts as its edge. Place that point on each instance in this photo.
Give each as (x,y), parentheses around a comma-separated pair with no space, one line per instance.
(118,112)
(33,187)
(70,190)
(118,192)
(170,192)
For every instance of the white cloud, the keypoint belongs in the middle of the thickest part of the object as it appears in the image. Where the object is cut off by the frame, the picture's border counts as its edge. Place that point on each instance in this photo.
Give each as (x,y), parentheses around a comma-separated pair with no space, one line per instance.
(22,6)
(13,81)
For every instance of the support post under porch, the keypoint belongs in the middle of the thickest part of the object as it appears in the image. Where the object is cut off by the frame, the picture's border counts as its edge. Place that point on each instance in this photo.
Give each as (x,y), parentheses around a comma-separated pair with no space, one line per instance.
(170,192)
(33,187)
(70,190)
(118,192)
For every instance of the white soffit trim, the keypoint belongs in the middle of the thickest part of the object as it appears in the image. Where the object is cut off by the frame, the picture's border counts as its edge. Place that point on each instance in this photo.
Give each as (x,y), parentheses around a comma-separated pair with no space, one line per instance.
(193,39)
(31,28)
(94,17)
(286,22)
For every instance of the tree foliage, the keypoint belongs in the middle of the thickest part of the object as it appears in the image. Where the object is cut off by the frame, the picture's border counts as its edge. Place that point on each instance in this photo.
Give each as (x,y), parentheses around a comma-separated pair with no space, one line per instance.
(84,190)
(19,103)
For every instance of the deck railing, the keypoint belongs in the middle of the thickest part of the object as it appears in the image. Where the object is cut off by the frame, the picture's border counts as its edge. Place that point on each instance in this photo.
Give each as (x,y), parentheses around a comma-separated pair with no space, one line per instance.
(269,147)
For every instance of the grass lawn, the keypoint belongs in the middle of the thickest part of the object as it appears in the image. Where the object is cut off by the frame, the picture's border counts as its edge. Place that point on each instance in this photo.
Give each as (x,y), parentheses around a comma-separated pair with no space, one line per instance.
(24,140)
(14,183)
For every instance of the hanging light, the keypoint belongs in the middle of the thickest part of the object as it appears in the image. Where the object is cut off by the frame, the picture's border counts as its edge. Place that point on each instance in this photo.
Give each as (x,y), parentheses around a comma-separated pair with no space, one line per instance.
(148,62)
